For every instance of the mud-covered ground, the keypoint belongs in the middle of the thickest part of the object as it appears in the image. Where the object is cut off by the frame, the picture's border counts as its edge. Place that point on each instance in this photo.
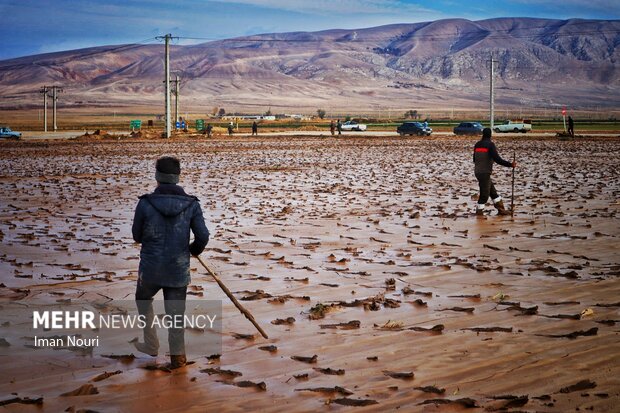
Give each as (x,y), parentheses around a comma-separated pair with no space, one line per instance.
(363,252)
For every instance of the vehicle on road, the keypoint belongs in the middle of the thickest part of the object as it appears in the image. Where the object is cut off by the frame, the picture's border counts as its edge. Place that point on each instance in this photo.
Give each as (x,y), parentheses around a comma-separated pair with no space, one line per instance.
(468,128)
(514,126)
(414,128)
(353,125)
(6,132)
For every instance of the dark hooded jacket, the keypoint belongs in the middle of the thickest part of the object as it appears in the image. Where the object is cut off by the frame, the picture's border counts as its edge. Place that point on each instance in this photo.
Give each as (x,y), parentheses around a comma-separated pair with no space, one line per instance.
(485,154)
(162,224)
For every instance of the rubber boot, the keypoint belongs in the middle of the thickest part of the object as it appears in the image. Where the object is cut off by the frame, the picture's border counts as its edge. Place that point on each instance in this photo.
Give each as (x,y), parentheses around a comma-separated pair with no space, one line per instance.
(500,208)
(177,361)
(479,210)
(146,349)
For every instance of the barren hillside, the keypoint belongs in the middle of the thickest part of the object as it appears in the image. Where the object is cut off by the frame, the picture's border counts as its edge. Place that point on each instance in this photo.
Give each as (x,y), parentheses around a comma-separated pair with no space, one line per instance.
(541,63)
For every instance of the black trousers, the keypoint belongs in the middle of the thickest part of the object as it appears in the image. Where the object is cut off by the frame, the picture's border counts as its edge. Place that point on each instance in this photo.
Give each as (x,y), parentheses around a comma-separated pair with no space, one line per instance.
(174,304)
(486,188)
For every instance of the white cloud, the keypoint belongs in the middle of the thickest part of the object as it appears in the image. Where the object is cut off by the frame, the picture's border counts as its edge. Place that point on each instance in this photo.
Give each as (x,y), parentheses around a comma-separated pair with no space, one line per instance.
(352,7)
(611,6)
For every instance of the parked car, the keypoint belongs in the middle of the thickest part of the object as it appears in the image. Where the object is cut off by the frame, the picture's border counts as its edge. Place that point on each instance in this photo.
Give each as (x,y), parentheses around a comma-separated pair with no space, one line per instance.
(468,128)
(353,125)
(6,132)
(514,126)
(413,128)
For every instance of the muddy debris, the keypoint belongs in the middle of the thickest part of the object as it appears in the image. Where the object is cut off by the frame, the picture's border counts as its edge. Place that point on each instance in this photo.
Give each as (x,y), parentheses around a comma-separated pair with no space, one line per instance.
(579,386)
(330,371)
(465,402)
(459,309)
(349,325)
(123,358)
(241,336)
(250,384)
(22,400)
(304,359)
(581,333)
(431,389)
(406,375)
(222,372)
(489,329)
(438,328)
(283,321)
(106,375)
(84,390)
(329,390)
(345,401)
(319,310)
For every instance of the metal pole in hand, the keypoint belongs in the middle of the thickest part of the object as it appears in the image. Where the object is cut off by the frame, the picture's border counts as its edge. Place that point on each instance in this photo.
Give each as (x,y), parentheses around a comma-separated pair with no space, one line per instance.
(245,312)
(512,195)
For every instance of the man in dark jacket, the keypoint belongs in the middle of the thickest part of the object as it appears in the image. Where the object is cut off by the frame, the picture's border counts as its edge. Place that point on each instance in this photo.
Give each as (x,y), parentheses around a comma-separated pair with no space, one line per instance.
(485,154)
(254,128)
(571,127)
(162,224)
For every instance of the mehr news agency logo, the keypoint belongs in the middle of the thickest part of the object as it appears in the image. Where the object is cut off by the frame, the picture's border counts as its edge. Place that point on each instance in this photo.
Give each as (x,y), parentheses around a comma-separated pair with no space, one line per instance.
(88,320)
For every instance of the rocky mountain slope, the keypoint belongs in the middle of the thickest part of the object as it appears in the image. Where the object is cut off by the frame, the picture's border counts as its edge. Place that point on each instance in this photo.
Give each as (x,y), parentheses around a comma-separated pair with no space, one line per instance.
(440,64)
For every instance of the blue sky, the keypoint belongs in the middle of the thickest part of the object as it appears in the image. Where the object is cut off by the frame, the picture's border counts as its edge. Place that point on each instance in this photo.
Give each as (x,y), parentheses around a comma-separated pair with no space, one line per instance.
(40,26)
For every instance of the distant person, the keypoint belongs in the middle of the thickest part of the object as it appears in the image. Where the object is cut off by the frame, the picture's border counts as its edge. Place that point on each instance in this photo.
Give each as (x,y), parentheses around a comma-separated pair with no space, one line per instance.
(425,123)
(230,129)
(254,128)
(571,127)
(485,154)
(209,130)
(162,224)
(332,127)
(339,127)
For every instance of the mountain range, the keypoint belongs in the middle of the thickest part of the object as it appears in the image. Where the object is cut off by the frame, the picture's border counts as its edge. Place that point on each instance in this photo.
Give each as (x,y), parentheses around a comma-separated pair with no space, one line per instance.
(540,63)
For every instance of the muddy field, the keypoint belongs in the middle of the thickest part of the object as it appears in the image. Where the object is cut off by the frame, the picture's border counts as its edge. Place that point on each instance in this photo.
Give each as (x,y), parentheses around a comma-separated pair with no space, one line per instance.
(360,257)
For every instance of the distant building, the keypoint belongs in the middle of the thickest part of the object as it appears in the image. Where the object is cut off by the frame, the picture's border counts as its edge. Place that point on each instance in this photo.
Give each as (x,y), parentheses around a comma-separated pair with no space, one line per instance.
(249,117)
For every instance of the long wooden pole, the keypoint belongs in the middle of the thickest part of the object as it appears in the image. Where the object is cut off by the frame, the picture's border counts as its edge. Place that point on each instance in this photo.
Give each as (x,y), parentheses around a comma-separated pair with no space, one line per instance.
(512,195)
(245,312)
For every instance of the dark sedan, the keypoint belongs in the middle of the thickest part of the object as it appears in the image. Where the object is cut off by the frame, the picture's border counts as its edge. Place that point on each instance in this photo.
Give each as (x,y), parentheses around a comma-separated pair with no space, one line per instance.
(413,128)
(468,128)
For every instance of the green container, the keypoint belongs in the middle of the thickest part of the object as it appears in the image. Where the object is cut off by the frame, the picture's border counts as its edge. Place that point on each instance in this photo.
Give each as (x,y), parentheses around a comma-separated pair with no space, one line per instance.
(200,124)
(135,124)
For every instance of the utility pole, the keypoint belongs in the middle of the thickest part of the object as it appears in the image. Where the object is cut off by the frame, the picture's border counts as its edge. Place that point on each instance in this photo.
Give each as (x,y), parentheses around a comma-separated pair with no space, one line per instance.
(44,90)
(55,90)
(176,99)
(166,39)
(492,93)
(167,80)
(54,100)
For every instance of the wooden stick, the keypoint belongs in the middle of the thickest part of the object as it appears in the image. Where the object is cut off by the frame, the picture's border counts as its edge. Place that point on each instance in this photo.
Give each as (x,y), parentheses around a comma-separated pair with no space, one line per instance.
(245,312)
(512,195)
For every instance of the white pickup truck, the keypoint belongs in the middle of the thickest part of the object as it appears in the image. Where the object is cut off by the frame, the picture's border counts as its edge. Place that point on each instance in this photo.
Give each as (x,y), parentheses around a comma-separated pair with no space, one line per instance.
(514,126)
(6,132)
(353,125)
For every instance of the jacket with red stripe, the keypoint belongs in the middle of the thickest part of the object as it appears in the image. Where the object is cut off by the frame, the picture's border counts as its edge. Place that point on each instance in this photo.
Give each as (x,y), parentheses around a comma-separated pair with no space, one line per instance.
(485,154)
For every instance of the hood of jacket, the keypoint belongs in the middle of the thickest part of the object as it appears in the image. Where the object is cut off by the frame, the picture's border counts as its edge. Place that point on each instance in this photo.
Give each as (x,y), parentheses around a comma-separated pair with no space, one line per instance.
(169,205)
